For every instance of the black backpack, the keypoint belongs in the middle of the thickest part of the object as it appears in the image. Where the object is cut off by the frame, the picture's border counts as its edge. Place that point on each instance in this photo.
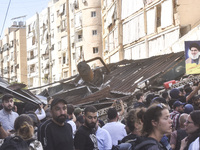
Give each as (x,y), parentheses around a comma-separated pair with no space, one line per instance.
(145,143)
(122,146)
(134,145)
(15,143)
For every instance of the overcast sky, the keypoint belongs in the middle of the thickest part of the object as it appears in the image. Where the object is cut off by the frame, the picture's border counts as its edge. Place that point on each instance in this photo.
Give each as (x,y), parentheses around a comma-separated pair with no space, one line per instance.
(19,8)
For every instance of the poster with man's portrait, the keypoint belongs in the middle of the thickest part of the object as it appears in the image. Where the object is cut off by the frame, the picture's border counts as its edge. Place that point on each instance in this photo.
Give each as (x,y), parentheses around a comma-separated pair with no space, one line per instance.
(192,57)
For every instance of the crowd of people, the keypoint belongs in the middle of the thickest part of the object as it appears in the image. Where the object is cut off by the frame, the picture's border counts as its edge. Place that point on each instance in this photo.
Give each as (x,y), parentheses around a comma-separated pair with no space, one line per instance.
(166,121)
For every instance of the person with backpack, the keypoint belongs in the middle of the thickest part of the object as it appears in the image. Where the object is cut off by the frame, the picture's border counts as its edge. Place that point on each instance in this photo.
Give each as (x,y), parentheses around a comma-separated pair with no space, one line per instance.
(134,123)
(23,136)
(157,123)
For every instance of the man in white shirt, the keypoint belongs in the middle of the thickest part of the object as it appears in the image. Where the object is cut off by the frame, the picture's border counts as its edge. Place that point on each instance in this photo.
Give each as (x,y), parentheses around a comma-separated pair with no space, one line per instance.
(7,116)
(103,138)
(71,117)
(116,129)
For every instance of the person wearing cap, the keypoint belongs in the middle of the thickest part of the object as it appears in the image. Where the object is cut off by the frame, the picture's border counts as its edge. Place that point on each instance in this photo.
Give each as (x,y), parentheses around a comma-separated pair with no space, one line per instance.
(77,112)
(177,110)
(55,133)
(85,138)
(174,95)
(188,108)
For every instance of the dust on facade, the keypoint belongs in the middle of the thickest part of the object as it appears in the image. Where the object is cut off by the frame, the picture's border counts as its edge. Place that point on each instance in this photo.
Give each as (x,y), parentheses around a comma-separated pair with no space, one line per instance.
(49,45)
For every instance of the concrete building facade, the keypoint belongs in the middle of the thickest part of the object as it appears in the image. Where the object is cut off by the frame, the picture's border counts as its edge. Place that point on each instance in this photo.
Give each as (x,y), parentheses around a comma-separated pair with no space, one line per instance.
(70,31)
(140,29)
(61,36)
(85,31)
(13,53)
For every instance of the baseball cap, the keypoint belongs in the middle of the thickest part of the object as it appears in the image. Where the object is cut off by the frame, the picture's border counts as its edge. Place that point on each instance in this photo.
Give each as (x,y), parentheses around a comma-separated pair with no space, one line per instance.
(174,93)
(177,104)
(56,101)
(188,108)
(77,111)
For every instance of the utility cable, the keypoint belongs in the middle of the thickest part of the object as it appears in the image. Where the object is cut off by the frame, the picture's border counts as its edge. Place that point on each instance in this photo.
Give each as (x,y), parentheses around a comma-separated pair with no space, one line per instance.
(5,18)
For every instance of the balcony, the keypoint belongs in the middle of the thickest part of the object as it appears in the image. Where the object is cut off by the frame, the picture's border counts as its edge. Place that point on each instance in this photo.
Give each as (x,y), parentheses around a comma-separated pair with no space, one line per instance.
(46,71)
(32,61)
(5,72)
(12,74)
(32,74)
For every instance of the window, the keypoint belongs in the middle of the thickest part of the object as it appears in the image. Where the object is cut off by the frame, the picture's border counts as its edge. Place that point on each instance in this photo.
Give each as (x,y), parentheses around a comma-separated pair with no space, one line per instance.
(74,56)
(72,23)
(158,15)
(80,37)
(59,60)
(57,13)
(31,54)
(29,28)
(94,32)
(93,14)
(12,56)
(54,78)
(63,26)
(11,43)
(53,62)
(65,74)
(52,18)
(59,45)
(95,50)
(11,69)
(52,47)
(74,72)
(58,28)
(64,60)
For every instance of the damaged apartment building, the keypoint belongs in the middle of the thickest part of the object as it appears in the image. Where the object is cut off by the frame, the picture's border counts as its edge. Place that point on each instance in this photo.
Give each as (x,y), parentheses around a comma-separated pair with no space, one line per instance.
(137,29)
(70,31)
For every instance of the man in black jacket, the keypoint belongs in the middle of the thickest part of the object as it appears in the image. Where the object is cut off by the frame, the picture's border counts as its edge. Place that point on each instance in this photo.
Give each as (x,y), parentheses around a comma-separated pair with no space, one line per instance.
(56,134)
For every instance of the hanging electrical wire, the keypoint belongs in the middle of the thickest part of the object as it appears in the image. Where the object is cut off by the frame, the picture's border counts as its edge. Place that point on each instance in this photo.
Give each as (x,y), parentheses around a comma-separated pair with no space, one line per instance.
(5,18)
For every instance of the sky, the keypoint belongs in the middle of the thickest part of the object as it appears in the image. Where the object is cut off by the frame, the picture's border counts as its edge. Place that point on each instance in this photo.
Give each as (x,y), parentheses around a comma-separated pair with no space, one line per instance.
(19,8)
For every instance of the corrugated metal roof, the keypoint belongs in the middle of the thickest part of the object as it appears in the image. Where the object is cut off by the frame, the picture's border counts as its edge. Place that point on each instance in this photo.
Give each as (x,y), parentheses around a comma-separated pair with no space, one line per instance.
(126,76)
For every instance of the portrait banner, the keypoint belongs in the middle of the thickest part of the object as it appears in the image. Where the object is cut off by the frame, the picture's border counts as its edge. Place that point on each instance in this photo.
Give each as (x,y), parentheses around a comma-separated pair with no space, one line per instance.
(192,57)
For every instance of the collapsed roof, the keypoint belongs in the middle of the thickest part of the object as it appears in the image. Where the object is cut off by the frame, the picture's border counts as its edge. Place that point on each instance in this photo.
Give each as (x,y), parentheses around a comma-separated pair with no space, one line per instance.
(18,92)
(124,79)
